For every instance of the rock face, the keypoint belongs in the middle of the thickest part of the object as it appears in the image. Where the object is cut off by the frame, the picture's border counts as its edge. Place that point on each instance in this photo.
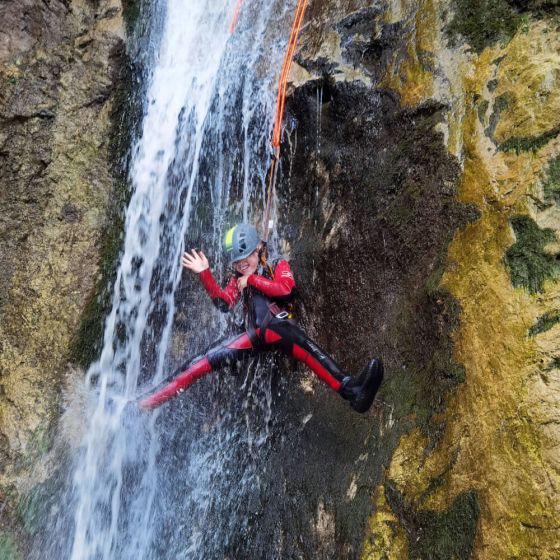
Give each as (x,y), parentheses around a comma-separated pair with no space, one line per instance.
(426,159)
(60,67)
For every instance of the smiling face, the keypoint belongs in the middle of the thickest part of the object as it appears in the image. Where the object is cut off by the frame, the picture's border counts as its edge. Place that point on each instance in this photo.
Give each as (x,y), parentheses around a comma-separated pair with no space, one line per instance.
(248,265)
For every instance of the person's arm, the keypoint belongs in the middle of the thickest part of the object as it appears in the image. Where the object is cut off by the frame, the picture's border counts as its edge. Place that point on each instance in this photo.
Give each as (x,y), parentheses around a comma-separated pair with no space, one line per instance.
(225,299)
(281,286)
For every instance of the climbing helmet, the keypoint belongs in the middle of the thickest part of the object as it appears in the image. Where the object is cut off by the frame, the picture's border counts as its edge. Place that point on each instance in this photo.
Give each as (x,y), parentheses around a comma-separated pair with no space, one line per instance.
(240,241)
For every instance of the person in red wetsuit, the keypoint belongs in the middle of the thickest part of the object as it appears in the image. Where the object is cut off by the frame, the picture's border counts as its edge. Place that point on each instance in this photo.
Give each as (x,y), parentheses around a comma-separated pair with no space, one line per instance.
(266,293)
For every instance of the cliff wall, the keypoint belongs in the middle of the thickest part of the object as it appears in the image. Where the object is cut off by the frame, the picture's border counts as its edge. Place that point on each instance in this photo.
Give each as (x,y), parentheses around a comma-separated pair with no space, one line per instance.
(427,166)
(62,65)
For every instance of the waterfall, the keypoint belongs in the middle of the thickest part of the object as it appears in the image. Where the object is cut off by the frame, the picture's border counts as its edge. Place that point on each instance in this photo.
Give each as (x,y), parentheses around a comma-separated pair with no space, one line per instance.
(168,484)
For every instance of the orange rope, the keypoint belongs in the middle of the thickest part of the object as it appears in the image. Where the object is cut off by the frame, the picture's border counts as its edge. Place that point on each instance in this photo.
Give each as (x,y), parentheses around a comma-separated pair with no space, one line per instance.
(279,116)
(235,16)
(270,189)
(283,81)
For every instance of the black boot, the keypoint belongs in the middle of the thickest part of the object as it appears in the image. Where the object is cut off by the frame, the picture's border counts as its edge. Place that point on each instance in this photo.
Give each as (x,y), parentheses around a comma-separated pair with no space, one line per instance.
(361,391)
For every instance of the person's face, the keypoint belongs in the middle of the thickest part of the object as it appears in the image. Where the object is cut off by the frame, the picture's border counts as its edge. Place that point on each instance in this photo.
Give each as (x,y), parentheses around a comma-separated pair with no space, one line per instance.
(248,265)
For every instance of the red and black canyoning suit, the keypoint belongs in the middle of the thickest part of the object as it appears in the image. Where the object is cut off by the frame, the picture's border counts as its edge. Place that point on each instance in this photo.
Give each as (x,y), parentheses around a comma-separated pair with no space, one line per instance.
(267,328)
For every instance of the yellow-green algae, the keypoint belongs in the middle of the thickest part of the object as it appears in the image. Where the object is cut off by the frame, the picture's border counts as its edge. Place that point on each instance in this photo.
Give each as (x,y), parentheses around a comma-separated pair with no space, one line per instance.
(386,538)
(501,436)
(47,293)
(529,74)
(412,75)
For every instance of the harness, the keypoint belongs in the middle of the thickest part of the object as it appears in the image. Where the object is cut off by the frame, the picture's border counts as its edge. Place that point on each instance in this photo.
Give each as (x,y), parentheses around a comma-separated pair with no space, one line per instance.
(274,311)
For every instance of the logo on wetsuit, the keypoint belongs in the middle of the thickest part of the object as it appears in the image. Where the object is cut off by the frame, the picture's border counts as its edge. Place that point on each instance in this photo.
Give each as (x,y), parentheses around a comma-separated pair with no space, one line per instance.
(317,350)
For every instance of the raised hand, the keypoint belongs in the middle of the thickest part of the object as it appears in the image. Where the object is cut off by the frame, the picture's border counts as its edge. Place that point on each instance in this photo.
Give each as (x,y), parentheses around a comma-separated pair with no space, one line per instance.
(195,261)
(285,249)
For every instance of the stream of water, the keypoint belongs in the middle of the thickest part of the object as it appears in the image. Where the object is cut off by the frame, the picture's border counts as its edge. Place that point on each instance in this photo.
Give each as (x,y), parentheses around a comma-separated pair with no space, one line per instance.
(168,484)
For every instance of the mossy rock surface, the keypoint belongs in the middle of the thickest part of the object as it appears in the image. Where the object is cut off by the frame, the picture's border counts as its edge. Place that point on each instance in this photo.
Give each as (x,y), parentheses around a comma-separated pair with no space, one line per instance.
(545,322)
(8,548)
(484,23)
(528,263)
(131,13)
(551,183)
(438,535)
(380,210)
(526,144)
(57,176)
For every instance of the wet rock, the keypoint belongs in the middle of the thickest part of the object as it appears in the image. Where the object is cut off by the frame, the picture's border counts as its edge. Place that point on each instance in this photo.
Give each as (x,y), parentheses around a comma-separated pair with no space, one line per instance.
(504,133)
(57,179)
(412,162)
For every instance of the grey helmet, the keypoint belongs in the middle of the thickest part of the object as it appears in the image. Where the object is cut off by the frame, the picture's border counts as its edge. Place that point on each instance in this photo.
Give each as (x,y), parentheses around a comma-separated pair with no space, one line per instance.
(240,241)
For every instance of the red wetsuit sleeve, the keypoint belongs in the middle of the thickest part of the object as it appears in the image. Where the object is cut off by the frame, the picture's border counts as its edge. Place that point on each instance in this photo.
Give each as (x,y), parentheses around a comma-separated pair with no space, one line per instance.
(281,286)
(229,295)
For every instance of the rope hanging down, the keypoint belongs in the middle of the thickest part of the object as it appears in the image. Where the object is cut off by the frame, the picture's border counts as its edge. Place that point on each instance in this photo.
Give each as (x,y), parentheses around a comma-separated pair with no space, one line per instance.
(283,81)
(235,16)
(278,118)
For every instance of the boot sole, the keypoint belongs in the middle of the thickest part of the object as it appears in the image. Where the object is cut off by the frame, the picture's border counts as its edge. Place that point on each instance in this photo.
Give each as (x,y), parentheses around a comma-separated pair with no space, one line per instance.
(373,381)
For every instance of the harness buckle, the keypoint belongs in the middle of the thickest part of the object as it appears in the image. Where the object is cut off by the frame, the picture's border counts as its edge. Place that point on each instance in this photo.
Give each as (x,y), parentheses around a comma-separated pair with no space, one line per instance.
(282,315)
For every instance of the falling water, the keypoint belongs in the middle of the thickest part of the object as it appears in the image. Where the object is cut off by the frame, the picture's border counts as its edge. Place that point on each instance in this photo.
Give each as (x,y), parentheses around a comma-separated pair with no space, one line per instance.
(159,485)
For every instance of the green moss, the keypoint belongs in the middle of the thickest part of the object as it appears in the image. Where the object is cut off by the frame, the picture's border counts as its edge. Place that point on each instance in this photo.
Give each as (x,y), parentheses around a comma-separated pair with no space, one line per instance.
(86,344)
(28,510)
(433,281)
(545,322)
(125,118)
(554,363)
(500,104)
(131,13)
(38,444)
(528,264)
(437,535)
(8,548)
(448,534)
(40,440)
(551,185)
(532,143)
(483,22)
(8,496)
(20,519)
(524,23)
(482,110)
(486,22)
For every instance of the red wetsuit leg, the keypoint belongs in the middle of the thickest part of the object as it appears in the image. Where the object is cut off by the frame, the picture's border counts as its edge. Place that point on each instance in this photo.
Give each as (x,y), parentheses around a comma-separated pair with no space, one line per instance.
(222,353)
(178,384)
(294,342)
(316,365)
